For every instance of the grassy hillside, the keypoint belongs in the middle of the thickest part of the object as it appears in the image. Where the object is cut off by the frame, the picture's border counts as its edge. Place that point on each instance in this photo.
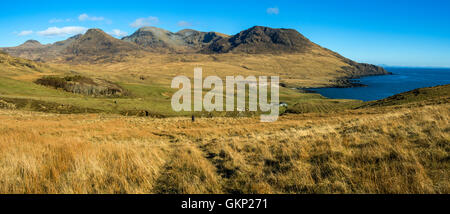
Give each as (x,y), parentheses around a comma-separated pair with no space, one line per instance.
(437,94)
(316,69)
(148,80)
(143,97)
(374,150)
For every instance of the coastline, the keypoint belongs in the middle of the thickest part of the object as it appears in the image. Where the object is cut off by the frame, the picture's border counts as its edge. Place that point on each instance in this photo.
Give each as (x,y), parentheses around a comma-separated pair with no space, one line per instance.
(382,86)
(345,82)
(349,82)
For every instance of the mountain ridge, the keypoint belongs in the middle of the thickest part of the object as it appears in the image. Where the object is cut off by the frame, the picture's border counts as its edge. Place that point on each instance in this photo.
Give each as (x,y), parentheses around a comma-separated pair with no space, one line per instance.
(97,46)
(259,39)
(159,40)
(97,43)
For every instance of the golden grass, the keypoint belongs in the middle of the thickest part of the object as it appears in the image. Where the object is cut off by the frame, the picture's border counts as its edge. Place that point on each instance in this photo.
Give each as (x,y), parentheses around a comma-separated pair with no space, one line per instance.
(379,150)
(314,69)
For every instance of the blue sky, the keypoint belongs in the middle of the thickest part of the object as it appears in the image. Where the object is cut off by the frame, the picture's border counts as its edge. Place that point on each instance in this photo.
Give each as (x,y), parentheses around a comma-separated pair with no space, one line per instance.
(400,33)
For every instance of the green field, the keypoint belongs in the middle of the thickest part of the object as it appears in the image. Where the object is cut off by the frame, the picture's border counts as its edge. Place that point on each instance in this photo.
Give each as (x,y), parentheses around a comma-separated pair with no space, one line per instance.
(152,98)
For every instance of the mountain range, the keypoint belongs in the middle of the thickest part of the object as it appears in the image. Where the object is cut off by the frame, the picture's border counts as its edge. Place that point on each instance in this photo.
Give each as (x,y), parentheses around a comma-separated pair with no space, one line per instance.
(96,45)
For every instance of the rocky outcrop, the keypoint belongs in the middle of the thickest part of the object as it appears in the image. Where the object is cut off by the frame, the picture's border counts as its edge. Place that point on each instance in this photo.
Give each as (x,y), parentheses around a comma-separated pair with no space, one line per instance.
(83,85)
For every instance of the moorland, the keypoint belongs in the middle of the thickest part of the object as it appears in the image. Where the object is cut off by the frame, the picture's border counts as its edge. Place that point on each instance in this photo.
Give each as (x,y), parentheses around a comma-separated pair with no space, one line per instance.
(92,114)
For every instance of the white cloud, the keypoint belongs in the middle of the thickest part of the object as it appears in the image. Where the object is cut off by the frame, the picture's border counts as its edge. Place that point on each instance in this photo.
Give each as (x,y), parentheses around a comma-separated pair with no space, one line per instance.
(273,11)
(85,17)
(184,24)
(118,33)
(59,20)
(141,22)
(55,20)
(69,30)
(25,33)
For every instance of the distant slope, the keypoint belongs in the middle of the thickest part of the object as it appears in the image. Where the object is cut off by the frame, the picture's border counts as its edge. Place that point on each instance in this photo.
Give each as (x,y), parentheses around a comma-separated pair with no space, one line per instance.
(34,50)
(357,70)
(93,45)
(97,44)
(10,65)
(31,49)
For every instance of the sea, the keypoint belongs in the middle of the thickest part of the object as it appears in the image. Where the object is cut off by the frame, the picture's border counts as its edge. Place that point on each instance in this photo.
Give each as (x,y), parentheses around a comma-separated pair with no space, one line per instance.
(380,87)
